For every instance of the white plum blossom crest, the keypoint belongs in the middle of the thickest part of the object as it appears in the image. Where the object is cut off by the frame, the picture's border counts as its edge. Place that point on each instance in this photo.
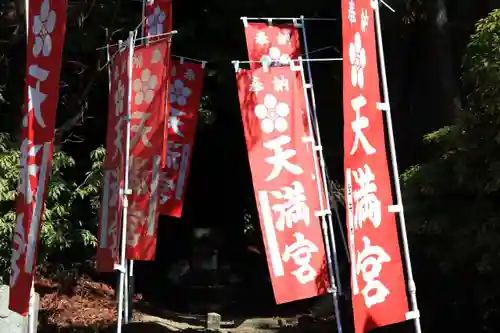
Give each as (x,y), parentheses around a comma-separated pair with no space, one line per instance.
(179,93)
(144,86)
(155,21)
(43,26)
(272,114)
(357,58)
(275,56)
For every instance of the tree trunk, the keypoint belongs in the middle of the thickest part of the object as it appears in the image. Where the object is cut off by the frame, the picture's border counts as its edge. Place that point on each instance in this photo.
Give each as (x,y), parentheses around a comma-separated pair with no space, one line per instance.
(443,51)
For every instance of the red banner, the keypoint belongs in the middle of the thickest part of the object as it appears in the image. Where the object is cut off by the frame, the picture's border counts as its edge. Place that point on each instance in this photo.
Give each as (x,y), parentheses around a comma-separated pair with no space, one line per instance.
(186,81)
(272,44)
(149,84)
(158,17)
(47,26)
(377,280)
(111,205)
(272,106)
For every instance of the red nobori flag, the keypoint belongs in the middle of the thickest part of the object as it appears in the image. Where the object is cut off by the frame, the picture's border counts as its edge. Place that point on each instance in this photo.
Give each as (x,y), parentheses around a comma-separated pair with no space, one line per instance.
(110,211)
(272,44)
(158,17)
(272,107)
(377,281)
(47,26)
(186,81)
(149,84)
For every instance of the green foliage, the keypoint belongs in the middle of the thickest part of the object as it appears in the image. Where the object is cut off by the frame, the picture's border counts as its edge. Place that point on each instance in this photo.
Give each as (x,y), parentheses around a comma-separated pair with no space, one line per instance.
(63,228)
(452,200)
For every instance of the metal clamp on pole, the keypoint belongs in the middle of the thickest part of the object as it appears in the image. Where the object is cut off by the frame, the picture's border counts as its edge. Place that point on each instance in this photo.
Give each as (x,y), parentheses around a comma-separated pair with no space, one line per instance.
(236,65)
(383,106)
(307,139)
(119,268)
(245,21)
(322,213)
(395,209)
(296,23)
(318,148)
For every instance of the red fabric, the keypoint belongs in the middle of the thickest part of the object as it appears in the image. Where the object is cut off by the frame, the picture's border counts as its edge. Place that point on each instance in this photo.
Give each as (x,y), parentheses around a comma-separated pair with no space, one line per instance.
(157,17)
(186,82)
(111,204)
(276,43)
(47,22)
(378,285)
(149,83)
(272,107)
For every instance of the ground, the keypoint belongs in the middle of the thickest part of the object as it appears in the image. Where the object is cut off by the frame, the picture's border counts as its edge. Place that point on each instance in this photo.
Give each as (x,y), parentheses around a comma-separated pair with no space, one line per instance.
(85,306)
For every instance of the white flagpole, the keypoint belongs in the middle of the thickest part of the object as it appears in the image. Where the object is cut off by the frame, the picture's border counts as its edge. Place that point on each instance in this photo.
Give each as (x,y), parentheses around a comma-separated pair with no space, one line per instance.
(31,309)
(323,213)
(31,306)
(414,313)
(143,23)
(321,157)
(131,262)
(126,191)
(108,58)
(27,17)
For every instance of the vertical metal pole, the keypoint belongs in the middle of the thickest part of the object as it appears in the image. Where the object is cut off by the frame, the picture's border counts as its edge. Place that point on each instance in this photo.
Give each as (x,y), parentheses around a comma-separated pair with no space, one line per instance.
(123,259)
(321,157)
(27,18)
(406,249)
(31,309)
(108,59)
(320,193)
(125,293)
(31,306)
(143,41)
(143,24)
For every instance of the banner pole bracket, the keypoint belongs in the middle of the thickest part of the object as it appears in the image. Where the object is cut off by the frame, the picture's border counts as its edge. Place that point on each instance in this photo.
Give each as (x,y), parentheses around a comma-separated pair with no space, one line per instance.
(119,268)
(395,209)
(307,139)
(411,315)
(318,148)
(322,213)
(383,106)
(236,65)
(245,21)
